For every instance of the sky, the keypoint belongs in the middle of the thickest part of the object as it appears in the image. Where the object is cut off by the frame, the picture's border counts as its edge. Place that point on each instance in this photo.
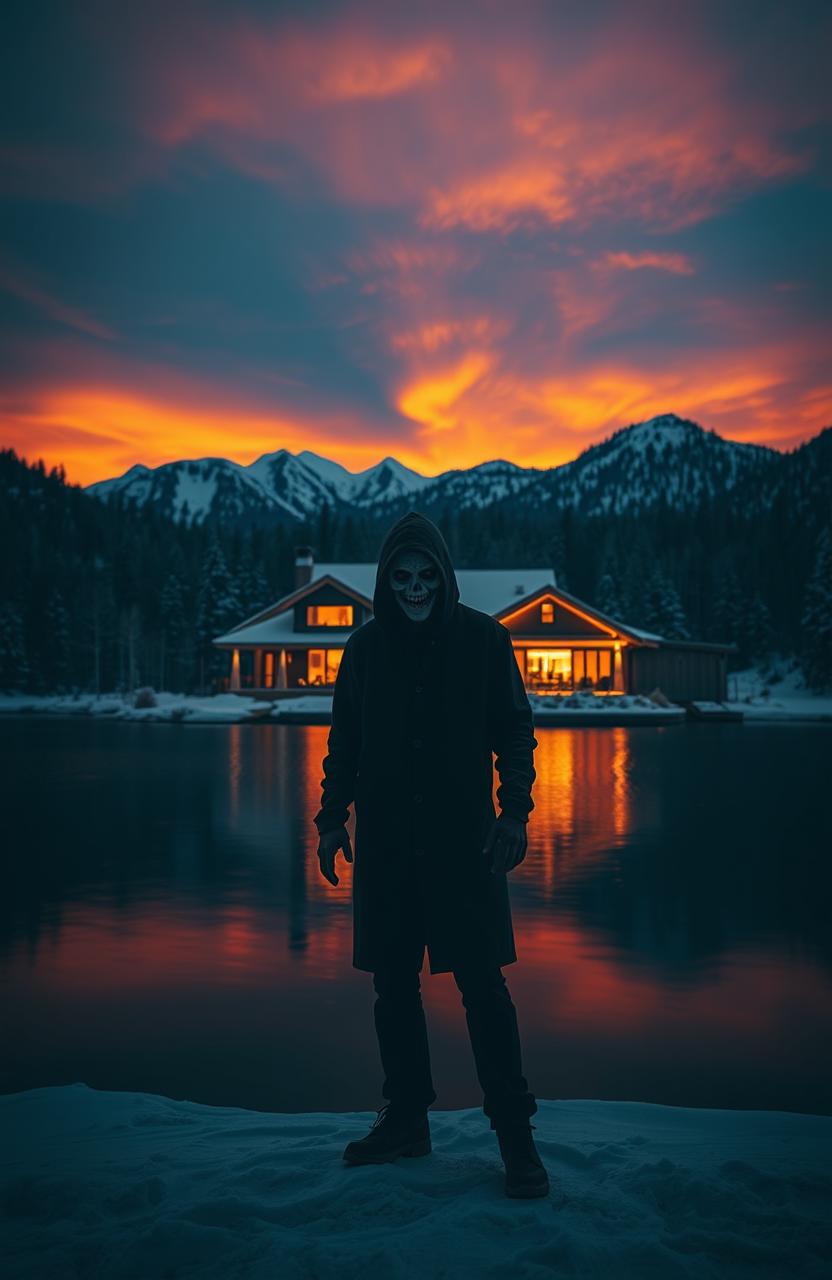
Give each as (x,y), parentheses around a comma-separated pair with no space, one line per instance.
(445,232)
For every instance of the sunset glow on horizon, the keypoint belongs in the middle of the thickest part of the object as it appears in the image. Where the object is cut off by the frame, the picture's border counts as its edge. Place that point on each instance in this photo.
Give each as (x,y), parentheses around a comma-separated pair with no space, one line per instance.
(444,234)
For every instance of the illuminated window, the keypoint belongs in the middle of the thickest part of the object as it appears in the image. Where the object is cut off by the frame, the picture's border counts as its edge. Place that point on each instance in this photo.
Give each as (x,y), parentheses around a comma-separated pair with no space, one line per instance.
(268,669)
(593,669)
(547,611)
(329,615)
(548,669)
(323,665)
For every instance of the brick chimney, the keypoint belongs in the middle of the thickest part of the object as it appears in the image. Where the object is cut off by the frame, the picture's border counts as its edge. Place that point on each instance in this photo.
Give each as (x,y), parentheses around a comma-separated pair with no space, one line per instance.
(304,565)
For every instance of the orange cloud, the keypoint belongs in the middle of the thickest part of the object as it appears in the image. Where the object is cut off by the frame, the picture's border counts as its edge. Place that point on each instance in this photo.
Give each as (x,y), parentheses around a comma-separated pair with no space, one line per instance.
(676,263)
(434,401)
(458,414)
(352,69)
(484,126)
(258,80)
(483,408)
(429,337)
(503,199)
(99,429)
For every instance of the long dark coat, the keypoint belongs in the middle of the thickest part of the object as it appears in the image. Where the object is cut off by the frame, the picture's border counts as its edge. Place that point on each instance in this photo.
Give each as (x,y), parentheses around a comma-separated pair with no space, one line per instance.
(417,710)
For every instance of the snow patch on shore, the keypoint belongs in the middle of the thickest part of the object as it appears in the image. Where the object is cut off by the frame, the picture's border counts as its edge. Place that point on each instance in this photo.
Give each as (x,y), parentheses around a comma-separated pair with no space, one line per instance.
(221,708)
(777,693)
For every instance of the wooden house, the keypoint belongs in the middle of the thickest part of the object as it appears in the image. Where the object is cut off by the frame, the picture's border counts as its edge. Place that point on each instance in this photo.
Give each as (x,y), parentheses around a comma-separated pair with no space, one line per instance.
(561,643)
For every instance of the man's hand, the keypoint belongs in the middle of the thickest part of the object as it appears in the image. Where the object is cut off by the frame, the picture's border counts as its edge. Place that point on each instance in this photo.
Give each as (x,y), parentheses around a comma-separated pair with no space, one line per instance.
(329,844)
(506,843)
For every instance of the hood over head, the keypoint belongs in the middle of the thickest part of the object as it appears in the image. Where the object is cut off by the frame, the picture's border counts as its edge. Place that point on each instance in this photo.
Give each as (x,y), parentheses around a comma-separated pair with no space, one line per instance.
(415,532)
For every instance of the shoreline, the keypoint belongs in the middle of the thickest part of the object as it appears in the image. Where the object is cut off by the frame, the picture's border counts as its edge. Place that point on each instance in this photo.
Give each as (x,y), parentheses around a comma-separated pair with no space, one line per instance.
(574,710)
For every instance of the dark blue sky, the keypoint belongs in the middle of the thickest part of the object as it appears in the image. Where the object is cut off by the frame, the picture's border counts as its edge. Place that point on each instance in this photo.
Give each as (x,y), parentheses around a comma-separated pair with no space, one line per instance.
(446,232)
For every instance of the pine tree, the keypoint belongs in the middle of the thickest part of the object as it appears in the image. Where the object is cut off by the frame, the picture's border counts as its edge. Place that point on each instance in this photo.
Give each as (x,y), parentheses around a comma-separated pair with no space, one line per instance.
(758,631)
(816,619)
(727,609)
(663,611)
(638,560)
(14,664)
(218,608)
(56,656)
(174,630)
(96,620)
(607,596)
(253,589)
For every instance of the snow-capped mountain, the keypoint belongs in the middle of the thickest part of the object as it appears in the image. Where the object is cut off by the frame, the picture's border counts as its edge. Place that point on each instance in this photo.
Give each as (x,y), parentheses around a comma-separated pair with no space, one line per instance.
(276,484)
(668,459)
(190,491)
(664,459)
(387,480)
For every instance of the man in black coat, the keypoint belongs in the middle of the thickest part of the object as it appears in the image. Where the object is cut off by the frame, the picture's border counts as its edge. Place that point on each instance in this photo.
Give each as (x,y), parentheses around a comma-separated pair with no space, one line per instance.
(427,691)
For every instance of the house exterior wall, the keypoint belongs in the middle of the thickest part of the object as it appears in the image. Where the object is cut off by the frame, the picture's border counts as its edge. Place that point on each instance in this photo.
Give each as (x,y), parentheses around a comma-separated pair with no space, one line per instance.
(682,674)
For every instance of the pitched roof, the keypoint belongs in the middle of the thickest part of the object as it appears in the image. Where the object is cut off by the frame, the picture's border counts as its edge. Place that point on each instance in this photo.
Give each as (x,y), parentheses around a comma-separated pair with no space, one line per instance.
(489,590)
(650,638)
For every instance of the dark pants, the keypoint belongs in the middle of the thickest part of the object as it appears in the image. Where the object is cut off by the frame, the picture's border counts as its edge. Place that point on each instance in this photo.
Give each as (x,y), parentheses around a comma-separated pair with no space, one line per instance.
(492,1027)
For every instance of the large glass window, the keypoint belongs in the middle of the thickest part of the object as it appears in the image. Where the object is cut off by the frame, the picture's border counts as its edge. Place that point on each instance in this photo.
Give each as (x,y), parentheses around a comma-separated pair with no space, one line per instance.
(548,670)
(562,670)
(592,669)
(323,666)
(329,615)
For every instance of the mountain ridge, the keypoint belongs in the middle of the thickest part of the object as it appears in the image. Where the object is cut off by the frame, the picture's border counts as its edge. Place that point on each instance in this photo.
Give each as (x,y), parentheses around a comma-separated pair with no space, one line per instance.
(664,458)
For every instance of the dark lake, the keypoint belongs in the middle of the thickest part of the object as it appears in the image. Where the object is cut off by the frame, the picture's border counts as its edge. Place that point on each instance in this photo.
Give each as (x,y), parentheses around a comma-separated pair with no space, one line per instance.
(164,925)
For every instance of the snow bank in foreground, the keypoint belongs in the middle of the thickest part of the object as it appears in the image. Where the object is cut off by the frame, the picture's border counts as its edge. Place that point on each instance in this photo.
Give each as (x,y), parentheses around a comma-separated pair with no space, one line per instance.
(134,1185)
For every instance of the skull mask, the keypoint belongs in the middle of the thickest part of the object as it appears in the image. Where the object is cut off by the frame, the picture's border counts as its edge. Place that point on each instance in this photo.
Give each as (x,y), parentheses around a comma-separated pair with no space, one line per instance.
(414,579)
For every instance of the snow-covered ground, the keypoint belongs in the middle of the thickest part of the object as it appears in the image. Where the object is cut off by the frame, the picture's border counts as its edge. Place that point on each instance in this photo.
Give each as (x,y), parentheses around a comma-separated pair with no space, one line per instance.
(232,707)
(777,693)
(221,708)
(100,1185)
(606,706)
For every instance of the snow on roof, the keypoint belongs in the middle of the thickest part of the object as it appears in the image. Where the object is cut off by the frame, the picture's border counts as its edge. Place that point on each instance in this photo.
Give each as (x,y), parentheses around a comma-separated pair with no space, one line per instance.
(642,635)
(360,577)
(280,629)
(488,590)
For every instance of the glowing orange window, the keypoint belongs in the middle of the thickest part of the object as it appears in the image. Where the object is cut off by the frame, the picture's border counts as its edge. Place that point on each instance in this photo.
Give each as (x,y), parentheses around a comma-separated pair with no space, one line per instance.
(329,615)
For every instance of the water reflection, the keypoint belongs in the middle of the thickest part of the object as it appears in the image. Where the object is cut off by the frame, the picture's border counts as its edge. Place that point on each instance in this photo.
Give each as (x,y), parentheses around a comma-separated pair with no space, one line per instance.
(166,926)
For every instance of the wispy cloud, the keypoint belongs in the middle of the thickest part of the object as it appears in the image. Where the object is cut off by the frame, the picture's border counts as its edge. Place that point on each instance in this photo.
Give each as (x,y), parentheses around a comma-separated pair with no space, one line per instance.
(24,284)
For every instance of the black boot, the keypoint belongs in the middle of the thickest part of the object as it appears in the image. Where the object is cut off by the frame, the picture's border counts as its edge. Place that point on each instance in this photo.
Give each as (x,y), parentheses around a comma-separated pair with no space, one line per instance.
(394,1132)
(526,1175)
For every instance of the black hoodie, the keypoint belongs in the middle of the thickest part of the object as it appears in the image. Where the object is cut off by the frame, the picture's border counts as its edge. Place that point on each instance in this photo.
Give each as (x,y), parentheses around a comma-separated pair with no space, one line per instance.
(411,743)
(415,532)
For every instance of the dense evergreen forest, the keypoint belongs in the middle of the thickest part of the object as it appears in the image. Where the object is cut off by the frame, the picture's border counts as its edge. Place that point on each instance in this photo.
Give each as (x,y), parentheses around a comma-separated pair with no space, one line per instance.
(100,597)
